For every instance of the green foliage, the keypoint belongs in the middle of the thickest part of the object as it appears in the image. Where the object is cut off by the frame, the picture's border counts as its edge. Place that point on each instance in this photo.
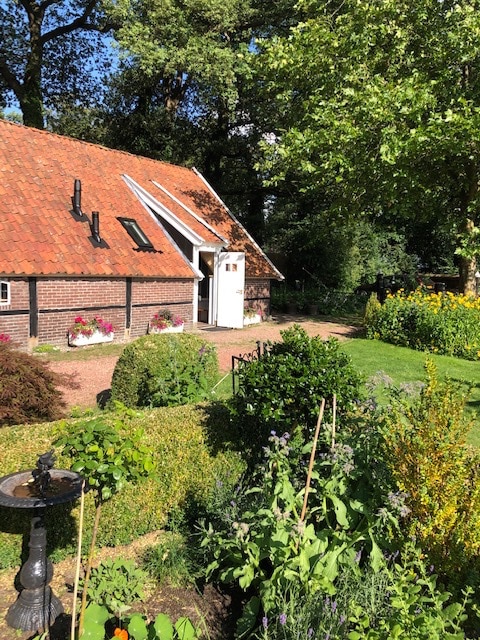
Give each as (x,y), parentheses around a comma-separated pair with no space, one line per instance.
(437,322)
(54,56)
(185,470)
(269,550)
(186,35)
(171,561)
(404,599)
(405,369)
(107,455)
(165,370)
(332,575)
(372,308)
(338,254)
(328,301)
(108,460)
(428,458)
(46,348)
(136,627)
(374,115)
(283,390)
(28,389)
(116,584)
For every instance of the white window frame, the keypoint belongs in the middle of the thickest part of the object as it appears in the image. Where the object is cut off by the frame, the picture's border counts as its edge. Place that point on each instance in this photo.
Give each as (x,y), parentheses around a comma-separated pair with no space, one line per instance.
(4,286)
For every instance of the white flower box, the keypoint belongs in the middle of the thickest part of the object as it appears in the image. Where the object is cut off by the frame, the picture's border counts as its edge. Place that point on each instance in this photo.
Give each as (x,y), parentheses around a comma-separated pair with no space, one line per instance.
(177,329)
(96,338)
(247,320)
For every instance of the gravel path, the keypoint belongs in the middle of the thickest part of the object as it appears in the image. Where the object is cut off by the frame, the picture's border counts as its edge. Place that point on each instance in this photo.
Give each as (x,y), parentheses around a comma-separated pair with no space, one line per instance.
(94,376)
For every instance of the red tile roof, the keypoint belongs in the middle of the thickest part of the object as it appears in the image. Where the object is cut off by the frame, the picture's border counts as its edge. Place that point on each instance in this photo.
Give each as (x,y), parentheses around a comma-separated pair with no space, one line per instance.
(40,236)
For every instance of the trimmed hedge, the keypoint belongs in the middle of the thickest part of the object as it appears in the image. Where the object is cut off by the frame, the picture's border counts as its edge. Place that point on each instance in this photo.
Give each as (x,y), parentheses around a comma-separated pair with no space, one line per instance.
(185,469)
(165,370)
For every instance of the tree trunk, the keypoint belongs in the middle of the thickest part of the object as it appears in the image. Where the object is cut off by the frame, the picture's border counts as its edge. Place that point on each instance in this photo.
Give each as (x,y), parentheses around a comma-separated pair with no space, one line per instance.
(31,98)
(32,107)
(468,261)
(468,281)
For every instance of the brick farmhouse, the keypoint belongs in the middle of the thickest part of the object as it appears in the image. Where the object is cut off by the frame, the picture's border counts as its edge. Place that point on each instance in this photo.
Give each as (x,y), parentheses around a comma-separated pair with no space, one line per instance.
(86,230)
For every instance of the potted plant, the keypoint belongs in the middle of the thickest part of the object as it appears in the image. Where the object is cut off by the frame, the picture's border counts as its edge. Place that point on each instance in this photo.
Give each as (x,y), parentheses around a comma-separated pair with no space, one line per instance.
(251,316)
(83,332)
(165,322)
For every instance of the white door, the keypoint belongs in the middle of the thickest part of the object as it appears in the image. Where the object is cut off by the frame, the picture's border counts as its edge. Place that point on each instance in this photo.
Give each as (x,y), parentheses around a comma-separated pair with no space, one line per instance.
(230,289)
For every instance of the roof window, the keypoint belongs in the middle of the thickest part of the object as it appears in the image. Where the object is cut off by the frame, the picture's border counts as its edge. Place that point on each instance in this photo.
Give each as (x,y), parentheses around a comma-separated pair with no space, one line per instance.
(134,231)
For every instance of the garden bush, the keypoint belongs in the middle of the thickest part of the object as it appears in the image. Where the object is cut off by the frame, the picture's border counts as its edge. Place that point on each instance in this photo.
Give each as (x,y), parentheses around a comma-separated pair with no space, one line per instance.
(165,370)
(438,473)
(442,323)
(283,389)
(28,388)
(116,584)
(184,468)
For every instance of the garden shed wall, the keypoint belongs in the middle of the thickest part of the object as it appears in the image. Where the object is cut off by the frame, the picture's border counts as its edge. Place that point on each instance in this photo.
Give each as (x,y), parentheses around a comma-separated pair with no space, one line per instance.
(42,309)
(257,295)
(14,317)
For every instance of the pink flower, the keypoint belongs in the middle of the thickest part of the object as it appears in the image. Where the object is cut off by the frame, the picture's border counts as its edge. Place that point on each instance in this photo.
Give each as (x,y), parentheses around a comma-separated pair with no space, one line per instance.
(164,319)
(82,327)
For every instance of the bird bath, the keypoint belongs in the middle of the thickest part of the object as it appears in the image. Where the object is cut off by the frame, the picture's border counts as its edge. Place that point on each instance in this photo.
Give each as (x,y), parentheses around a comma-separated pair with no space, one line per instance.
(36,607)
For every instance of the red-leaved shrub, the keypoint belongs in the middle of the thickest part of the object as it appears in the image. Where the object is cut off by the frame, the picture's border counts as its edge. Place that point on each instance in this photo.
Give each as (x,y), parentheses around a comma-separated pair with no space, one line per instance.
(28,389)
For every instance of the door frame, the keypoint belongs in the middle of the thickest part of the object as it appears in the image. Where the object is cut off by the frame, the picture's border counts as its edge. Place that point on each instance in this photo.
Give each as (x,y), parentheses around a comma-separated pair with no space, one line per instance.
(213,286)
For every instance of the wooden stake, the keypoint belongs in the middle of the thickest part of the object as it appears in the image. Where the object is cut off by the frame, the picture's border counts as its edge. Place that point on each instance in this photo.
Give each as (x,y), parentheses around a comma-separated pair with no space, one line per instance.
(79,554)
(312,459)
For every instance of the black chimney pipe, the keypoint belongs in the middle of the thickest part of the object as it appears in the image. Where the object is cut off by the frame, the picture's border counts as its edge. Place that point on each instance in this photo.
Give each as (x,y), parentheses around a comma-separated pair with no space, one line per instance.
(77,197)
(95,226)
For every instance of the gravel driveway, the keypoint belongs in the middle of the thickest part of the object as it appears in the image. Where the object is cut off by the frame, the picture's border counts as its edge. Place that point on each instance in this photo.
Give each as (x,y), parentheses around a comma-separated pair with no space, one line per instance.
(94,376)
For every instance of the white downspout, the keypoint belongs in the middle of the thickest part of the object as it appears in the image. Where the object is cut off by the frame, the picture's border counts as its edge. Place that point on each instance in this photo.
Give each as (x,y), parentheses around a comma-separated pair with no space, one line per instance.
(215,288)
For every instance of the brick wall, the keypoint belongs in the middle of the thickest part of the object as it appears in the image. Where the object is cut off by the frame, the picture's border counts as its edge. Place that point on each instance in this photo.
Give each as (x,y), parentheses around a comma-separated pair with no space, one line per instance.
(14,317)
(58,301)
(61,300)
(151,296)
(257,295)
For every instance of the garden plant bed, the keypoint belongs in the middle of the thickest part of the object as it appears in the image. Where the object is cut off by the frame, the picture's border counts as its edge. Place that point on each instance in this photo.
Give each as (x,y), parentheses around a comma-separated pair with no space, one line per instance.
(211,609)
(249,511)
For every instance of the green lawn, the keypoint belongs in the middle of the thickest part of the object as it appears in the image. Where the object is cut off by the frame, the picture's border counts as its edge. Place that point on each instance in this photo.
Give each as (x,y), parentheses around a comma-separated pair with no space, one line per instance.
(406,365)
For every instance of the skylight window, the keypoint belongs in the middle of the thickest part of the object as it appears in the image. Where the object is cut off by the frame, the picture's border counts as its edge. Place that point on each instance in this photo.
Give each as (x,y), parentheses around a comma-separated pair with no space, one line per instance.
(134,231)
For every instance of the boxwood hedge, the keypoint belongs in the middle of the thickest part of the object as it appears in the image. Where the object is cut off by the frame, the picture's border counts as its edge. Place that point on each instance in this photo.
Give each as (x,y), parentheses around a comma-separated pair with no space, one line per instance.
(165,370)
(185,467)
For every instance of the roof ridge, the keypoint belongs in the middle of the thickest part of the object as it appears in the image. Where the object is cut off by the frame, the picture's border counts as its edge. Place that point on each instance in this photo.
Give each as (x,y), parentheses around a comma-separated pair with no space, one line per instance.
(94,144)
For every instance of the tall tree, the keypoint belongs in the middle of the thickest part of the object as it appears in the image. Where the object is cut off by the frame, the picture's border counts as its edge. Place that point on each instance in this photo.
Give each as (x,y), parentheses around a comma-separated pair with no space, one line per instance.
(186,91)
(47,48)
(378,112)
